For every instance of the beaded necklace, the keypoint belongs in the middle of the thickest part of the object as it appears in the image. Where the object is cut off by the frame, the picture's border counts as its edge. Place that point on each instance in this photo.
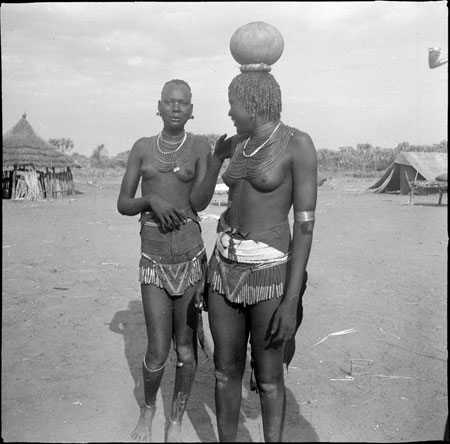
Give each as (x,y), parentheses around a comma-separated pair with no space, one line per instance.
(261,146)
(249,167)
(171,140)
(170,158)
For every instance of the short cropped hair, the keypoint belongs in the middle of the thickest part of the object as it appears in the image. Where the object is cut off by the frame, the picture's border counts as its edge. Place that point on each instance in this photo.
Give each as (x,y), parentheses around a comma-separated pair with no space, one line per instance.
(259,92)
(177,82)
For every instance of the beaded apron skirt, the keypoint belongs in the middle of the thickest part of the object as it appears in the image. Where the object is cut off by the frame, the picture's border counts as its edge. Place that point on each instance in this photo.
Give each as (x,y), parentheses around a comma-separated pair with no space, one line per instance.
(247,271)
(172,260)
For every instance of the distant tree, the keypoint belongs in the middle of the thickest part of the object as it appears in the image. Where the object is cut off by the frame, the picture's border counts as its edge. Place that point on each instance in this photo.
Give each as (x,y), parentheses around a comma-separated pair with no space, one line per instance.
(403,146)
(436,147)
(346,149)
(81,159)
(363,147)
(442,146)
(99,156)
(63,145)
(113,163)
(122,158)
(367,158)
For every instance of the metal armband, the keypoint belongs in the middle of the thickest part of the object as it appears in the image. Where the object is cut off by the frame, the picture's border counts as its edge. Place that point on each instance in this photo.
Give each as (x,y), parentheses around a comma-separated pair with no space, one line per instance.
(304,216)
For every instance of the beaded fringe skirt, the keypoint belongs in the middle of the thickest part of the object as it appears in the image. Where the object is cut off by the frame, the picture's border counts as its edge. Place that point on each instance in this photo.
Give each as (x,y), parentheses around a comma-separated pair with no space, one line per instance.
(245,284)
(174,278)
(172,260)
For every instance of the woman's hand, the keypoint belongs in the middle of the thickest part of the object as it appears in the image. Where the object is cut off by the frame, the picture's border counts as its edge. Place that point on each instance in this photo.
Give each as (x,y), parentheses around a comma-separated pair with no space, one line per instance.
(284,322)
(222,148)
(200,289)
(169,216)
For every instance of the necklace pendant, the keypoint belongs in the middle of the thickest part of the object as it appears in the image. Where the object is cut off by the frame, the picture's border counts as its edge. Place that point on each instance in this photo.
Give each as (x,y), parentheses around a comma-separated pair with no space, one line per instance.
(176,169)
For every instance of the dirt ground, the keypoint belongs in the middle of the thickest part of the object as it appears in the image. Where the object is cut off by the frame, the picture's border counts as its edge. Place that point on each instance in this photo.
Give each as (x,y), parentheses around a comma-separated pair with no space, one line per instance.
(73,334)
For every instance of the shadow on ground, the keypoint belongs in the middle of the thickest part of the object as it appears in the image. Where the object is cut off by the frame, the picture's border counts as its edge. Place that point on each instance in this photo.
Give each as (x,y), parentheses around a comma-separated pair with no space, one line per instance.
(201,408)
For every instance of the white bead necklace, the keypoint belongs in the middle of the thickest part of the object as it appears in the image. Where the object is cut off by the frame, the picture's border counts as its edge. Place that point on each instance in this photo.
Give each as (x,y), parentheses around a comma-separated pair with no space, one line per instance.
(170,141)
(172,151)
(261,146)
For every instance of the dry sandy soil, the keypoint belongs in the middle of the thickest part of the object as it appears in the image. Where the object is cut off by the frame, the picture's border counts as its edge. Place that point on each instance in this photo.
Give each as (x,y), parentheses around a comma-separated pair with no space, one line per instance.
(74,336)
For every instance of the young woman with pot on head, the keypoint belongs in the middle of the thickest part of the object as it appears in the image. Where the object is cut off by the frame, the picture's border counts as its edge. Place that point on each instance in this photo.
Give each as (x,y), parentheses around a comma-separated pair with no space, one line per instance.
(257,272)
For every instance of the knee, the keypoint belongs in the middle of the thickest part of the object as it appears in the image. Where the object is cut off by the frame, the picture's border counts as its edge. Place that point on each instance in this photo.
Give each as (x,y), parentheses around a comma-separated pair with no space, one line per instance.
(150,366)
(185,353)
(228,375)
(221,378)
(156,361)
(269,388)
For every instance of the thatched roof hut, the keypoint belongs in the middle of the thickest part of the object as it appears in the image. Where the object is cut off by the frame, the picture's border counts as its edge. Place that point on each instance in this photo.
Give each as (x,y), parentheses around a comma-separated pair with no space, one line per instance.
(27,157)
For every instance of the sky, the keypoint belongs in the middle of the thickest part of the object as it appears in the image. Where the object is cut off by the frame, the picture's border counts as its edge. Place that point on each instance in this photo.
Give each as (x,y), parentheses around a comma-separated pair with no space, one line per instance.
(350,73)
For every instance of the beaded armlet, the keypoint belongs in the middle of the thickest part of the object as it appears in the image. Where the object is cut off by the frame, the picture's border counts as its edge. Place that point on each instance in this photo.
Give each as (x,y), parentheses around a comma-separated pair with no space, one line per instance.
(304,216)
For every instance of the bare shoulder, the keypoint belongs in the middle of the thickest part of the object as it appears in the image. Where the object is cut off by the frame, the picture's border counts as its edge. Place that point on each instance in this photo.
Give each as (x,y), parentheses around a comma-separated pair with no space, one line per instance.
(302,147)
(201,146)
(301,141)
(141,144)
(139,148)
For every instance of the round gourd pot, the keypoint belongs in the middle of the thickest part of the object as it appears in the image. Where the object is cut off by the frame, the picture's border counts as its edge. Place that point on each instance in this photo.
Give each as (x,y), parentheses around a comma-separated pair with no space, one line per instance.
(256,42)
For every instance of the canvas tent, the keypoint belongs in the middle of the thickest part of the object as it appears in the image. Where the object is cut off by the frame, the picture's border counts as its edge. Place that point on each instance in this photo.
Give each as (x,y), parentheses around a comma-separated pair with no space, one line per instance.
(32,167)
(409,167)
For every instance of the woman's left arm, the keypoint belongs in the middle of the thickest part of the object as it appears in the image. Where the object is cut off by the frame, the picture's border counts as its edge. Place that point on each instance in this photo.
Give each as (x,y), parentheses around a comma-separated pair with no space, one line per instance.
(206,179)
(304,197)
(202,166)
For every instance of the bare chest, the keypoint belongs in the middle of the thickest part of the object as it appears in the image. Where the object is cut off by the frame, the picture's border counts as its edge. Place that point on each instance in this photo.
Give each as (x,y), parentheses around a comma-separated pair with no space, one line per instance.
(183,173)
(262,177)
(177,164)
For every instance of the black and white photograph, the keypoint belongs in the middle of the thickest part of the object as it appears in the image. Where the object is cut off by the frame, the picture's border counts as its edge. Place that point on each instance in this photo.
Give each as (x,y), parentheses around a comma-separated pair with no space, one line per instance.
(224,222)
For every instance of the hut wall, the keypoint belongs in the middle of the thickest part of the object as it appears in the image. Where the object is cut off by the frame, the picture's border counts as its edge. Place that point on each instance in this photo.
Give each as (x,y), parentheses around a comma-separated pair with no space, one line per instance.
(57,184)
(30,184)
(7,184)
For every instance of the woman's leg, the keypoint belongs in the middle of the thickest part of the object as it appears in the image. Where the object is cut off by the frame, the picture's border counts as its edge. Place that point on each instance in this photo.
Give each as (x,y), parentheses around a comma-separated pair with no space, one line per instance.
(230,335)
(158,319)
(268,362)
(185,344)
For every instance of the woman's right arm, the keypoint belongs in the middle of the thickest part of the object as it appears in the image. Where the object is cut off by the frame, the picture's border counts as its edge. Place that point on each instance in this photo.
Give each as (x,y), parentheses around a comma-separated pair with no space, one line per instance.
(127,204)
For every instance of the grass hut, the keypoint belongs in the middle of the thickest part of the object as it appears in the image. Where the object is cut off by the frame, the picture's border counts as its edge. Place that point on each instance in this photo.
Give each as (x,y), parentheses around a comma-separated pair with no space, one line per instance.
(33,168)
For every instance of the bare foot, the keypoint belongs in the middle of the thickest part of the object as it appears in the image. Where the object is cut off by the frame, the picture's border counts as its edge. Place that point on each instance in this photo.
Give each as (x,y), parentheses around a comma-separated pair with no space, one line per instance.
(143,430)
(174,432)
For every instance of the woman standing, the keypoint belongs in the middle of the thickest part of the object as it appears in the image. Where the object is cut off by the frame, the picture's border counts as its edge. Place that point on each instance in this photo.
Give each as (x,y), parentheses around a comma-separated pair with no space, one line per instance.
(170,166)
(257,269)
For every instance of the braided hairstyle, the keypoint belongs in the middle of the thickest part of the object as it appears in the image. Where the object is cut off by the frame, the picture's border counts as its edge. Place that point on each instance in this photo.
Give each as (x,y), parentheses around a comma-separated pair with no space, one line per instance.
(259,92)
